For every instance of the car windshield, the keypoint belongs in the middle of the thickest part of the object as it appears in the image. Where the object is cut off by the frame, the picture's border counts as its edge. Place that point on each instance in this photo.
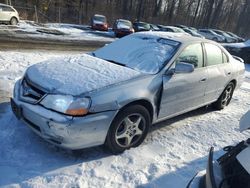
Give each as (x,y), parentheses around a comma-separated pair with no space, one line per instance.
(124,24)
(179,30)
(225,34)
(143,25)
(144,53)
(100,18)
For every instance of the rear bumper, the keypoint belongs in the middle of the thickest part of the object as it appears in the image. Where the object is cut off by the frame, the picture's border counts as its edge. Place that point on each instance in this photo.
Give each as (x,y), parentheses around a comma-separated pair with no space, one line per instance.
(64,131)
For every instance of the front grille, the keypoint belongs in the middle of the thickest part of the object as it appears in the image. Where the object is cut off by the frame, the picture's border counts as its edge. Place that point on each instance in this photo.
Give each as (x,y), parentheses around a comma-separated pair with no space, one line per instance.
(30,93)
(32,124)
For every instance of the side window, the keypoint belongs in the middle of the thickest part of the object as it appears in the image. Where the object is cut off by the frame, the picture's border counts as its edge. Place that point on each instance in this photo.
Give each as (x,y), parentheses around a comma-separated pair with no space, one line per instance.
(8,9)
(192,54)
(214,54)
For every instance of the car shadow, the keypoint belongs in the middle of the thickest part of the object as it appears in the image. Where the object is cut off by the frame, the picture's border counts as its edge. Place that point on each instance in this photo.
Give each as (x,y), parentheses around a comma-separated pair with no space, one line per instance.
(194,113)
(180,177)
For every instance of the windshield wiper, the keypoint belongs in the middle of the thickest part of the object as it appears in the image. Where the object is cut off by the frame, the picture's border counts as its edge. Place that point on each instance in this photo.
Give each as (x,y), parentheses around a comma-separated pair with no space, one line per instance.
(111,61)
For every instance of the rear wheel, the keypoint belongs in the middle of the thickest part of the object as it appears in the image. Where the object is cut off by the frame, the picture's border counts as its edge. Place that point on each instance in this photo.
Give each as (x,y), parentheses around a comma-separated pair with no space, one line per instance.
(128,129)
(13,21)
(225,97)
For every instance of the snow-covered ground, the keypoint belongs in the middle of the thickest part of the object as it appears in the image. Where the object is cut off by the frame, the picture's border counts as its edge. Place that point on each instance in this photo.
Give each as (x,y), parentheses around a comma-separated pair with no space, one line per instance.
(171,154)
(55,31)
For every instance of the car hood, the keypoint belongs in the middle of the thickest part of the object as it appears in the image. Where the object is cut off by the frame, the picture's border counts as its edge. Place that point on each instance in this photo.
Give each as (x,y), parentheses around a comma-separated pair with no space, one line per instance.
(76,75)
(245,121)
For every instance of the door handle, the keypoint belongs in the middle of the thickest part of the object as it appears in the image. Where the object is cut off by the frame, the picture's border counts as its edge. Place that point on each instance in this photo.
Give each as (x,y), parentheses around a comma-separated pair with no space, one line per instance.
(203,80)
(229,73)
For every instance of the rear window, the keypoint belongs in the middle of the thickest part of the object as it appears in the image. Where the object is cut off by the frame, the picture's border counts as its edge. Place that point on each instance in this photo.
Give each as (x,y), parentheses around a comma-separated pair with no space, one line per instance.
(214,54)
(124,24)
(7,9)
(100,18)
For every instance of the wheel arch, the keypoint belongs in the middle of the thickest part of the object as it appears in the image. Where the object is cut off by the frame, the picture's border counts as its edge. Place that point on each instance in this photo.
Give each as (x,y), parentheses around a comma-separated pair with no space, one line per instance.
(143,102)
(15,18)
(234,82)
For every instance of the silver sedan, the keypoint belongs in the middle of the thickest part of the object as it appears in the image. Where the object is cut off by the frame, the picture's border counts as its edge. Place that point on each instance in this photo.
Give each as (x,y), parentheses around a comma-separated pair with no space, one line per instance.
(113,95)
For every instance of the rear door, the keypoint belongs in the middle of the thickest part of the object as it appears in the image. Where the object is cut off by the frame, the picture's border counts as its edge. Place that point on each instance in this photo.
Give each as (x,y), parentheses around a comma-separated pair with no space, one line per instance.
(219,71)
(184,91)
(7,13)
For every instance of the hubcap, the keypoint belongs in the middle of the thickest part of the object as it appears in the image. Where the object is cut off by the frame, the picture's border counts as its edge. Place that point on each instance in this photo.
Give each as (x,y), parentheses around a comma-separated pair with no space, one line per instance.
(130,130)
(227,96)
(13,21)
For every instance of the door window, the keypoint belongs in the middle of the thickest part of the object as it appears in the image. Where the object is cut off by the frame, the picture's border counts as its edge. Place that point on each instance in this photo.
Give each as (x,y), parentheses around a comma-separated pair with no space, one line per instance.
(214,54)
(192,54)
(8,9)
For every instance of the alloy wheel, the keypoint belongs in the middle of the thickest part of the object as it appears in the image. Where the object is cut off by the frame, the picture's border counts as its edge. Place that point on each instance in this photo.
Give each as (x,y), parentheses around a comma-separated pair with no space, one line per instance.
(130,130)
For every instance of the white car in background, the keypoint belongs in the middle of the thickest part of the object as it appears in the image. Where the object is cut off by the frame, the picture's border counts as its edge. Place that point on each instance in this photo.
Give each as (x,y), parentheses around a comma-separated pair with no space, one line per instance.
(210,34)
(8,15)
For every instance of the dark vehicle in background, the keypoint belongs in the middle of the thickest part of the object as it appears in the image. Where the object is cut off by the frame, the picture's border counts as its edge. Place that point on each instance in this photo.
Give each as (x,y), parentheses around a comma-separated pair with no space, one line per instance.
(239,39)
(229,39)
(141,26)
(193,33)
(231,169)
(241,50)
(211,35)
(122,28)
(180,26)
(99,22)
(172,29)
(154,27)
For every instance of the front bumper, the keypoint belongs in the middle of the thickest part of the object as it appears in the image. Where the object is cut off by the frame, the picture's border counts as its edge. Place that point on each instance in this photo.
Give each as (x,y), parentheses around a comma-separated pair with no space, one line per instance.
(62,130)
(100,27)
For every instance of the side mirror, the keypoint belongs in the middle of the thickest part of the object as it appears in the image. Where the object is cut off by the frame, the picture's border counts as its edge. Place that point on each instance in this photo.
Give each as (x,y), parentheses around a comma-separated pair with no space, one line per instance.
(183,67)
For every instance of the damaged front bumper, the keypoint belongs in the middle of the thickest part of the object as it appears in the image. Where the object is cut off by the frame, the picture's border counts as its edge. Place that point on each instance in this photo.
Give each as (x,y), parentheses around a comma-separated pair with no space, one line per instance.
(62,130)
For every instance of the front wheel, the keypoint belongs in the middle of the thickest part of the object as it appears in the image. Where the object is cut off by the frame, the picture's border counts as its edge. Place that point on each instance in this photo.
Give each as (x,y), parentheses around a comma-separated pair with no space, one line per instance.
(225,97)
(128,129)
(13,21)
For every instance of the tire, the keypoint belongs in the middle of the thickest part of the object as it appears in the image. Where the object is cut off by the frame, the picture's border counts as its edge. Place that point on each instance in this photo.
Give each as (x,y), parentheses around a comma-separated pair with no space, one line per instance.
(128,129)
(225,97)
(13,21)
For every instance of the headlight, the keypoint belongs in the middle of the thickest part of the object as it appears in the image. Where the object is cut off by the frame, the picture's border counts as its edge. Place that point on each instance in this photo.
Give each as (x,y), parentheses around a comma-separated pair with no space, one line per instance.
(67,104)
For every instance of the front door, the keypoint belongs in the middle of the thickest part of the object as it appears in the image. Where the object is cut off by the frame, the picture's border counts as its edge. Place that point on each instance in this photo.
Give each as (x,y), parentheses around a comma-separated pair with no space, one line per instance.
(184,91)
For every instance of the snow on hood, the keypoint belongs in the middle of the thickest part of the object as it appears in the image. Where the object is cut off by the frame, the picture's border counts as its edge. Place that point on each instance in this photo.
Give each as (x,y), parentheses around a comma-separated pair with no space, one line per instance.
(77,74)
(245,121)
